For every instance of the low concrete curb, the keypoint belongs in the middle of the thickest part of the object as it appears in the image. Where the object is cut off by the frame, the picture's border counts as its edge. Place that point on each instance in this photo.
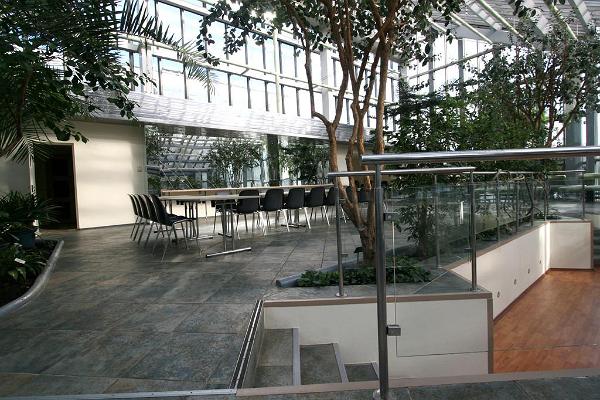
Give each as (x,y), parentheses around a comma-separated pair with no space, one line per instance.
(37,287)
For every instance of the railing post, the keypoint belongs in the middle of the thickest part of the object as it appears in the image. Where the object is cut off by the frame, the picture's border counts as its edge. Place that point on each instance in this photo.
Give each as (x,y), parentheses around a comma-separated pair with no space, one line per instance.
(436,221)
(546,191)
(517,205)
(338,234)
(498,206)
(381,289)
(532,196)
(473,235)
(582,195)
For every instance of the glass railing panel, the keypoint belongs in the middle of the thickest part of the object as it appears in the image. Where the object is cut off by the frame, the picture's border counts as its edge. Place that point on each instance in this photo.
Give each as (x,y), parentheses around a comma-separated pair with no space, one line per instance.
(564,197)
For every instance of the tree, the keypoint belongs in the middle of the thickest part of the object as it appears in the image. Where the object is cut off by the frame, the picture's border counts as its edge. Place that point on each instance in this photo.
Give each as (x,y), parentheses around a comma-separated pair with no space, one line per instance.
(365,35)
(546,81)
(56,52)
(229,157)
(304,158)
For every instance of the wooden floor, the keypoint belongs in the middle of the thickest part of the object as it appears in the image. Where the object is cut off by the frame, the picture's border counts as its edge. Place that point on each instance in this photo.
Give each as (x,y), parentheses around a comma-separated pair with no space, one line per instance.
(555,325)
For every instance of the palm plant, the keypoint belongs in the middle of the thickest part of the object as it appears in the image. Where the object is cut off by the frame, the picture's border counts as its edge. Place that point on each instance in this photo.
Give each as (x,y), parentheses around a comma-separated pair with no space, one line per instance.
(56,52)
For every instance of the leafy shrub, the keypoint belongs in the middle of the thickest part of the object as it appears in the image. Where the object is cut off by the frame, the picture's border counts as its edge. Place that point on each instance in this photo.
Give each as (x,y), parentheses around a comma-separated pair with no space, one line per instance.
(364,276)
(19,265)
(19,210)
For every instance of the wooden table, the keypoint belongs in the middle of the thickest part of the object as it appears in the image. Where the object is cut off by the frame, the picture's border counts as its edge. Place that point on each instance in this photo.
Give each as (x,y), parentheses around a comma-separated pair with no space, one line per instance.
(228,202)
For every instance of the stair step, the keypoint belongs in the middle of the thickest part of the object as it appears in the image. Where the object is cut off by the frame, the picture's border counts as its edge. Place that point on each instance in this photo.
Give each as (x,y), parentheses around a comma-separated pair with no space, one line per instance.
(321,363)
(276,360)
(361,372)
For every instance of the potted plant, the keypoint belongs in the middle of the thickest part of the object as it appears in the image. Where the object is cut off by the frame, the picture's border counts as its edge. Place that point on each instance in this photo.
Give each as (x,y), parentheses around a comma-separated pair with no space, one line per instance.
(18,212)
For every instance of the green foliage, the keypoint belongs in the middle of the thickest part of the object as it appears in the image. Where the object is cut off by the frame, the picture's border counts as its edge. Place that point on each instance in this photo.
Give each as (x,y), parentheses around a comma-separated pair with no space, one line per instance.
(20,265)
(19,210)
(304,158)
(364,276)
(229,157)
(55,53)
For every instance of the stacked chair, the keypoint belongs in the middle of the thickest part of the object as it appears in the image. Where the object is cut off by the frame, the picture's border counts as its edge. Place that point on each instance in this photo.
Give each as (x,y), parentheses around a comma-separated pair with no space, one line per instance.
(150,211)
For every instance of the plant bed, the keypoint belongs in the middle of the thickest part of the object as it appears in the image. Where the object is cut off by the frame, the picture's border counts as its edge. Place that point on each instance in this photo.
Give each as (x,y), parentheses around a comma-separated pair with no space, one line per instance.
(21,267)
(364,276)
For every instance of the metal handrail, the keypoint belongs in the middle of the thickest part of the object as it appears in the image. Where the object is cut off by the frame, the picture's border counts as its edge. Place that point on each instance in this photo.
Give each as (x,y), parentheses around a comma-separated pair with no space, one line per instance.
(480,155)
(437,157)
(406,171)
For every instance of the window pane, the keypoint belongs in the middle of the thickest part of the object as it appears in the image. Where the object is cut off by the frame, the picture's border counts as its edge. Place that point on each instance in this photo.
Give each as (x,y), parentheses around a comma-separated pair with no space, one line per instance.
(239,56)
(191,26)
(269,55)
(304,103)
(197,90)
(257,95)
(286,54)
(239,91)
(171,78)
(255,54)
(289,100)
(221,92)
(171,18)
(315,66)
(271,98)
(216,32)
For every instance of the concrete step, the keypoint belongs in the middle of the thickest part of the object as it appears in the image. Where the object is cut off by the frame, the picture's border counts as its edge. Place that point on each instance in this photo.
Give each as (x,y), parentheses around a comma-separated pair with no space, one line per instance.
(361,372)
(322,363)
(279,362)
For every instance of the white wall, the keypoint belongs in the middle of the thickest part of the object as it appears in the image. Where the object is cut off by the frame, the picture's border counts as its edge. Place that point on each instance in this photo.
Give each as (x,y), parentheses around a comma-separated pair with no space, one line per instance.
(107,168)
(439,337)
(510,268)
(570,245)
(13,176)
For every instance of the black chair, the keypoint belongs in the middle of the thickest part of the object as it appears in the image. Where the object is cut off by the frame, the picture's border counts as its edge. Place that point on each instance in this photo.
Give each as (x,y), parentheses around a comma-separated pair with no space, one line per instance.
(314,199)
(330,202)
(247,206)
(295,201)
(138,217)
(273,201)
(218,206)
(145,211)
(364,195)
(169,223)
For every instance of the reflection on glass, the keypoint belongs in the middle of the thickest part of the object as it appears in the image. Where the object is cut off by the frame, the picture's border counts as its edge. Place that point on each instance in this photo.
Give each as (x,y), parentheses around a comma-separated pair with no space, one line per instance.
(289,100)
(287,60)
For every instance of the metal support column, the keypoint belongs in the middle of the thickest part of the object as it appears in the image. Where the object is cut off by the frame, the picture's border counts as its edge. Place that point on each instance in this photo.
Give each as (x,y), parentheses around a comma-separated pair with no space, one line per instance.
(338,234)
(546,200)
(436,221)
(381,289)
(532,194)
(473,235)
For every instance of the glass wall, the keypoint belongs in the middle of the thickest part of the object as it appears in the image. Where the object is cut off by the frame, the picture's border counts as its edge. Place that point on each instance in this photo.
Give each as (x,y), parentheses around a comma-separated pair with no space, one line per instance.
(249,78)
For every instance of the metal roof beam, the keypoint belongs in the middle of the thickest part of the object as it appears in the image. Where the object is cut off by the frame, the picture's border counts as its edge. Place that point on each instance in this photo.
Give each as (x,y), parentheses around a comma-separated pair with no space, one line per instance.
(483,15)
(581,11)
(540,20)
(560,18)
(489,9)
(470,27)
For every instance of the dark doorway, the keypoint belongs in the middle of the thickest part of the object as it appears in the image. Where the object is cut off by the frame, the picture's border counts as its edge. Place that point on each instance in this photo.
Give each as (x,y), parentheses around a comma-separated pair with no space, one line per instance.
(54,180)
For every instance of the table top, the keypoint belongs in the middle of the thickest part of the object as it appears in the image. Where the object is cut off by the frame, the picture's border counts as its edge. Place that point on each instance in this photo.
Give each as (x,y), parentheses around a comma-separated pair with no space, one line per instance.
(196,192)
(218,197)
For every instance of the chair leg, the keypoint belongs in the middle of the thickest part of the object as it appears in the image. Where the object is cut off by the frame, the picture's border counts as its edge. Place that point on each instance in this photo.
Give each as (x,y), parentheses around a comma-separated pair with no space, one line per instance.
(323,208)
(149,232)
(158,232)
(306,218)
(168,239)
(246,222)
(237,224)
(285,215)
(215,221)
(142,233)
(134,225)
